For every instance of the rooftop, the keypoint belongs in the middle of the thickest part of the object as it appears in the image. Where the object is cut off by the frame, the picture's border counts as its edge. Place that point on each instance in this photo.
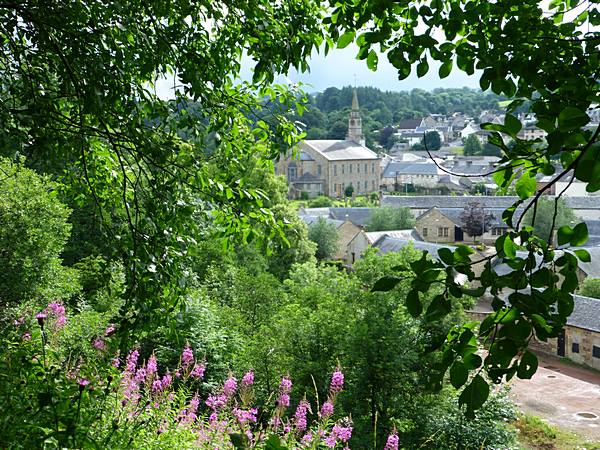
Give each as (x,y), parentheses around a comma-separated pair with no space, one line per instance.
(335,150)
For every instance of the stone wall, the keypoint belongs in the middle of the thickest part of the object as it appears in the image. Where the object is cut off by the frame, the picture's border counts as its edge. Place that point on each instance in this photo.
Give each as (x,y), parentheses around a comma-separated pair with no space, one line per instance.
(433,221)
(343,173)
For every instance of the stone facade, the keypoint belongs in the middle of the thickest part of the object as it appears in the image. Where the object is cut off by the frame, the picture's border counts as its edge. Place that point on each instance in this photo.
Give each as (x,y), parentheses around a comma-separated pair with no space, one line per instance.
(346,233)
(433,226)
(328,167)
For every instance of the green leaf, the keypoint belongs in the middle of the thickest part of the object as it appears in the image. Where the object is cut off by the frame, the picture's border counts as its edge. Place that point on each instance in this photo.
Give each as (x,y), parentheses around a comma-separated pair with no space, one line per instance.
(528,365)
(345,39)
(474,395)
(422,68)
(413,304)
(385,284)
(564,234)
(446,255)
(580,235)
(372,60)
(237,440)
(526,185)
(572,118)
(583,255)
(445,68)
(512,124)
(458,374)
(509,247)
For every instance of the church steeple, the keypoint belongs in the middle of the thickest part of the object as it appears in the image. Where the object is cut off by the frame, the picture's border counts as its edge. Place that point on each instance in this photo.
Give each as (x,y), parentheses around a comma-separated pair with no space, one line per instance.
(355,122)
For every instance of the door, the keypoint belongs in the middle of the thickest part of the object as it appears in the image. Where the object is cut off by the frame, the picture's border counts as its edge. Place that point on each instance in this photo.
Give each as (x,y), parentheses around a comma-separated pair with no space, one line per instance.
(458,234)
(560,347)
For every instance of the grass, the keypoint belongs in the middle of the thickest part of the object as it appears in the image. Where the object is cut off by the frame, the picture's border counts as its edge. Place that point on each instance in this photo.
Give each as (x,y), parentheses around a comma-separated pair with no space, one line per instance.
(535,434)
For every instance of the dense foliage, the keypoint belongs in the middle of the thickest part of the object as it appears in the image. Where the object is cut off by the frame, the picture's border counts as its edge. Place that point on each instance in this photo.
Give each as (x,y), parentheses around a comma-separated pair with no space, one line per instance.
(387,218)
(325,235)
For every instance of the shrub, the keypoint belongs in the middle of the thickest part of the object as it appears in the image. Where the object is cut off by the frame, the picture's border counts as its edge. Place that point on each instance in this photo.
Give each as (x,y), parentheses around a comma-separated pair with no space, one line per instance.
(320,202)
(33,231)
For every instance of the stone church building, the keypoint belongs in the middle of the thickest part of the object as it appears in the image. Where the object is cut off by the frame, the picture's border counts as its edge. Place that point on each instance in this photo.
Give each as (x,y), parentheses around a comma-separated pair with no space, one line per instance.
(328,167)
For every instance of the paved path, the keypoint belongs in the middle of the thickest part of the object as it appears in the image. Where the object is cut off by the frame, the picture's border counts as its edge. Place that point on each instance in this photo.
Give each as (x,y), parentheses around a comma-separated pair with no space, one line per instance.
(559,393)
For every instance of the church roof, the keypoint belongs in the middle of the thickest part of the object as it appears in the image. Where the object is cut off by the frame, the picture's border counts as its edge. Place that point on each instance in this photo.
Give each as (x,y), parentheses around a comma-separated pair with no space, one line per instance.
(334,150)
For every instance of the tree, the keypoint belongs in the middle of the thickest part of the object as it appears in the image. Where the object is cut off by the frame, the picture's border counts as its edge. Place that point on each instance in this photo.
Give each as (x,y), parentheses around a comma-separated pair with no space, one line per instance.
(431,141)
(475,221)
(387,218)
(384,135)
(472,146)
(349,190)
(549,212)
(325,235)
(590,287)
(33,232)
(78,99)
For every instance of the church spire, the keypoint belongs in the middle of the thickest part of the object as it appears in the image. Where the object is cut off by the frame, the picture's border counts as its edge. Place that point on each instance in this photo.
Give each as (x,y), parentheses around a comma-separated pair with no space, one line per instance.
(355,122)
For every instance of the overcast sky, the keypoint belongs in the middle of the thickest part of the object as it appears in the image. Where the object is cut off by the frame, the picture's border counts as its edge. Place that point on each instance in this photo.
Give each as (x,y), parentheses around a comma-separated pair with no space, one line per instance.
(341,68)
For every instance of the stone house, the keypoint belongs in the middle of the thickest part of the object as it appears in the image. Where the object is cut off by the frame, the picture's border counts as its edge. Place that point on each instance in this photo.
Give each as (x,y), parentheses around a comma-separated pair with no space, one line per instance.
(363,240)
(328,167)
(445,225)
(346,232)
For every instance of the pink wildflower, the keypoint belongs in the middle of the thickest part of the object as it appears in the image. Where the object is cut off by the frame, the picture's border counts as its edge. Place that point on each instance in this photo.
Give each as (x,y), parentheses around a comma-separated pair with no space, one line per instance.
(140,375)
(327,409)
(187,357)
(392,441)
(307,438)
(248,379)
(115,361)
(244,416)
(198,371)
(109,330)
(40,318)
(331,440)
(152,366)
(58,311)
(132,359)
(337,381)
(166,380)
(230,386)
(99,344)
(156,386)
(284,400)
(343,433)
(26,336)
(285,386)
(300,415)
(20,321)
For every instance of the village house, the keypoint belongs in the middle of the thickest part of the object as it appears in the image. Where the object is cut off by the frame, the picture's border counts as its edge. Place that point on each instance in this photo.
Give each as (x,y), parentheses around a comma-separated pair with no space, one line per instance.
(328,167)
(364,240)
(346,231)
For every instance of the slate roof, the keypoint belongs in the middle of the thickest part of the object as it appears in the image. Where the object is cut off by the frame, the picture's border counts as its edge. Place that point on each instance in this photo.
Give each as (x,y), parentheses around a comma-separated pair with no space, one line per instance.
(314,212)
(446,201)
(586,313)
(409,124)
(358,216)
(592,268)
(409,168)
(335,150)
(388,244)
(309,220)
(408,235)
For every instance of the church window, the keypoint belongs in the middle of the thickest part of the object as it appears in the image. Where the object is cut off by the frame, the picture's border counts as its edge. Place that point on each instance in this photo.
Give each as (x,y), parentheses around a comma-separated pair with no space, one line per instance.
(342,169)
(291,173)
(335,169)
(319,169)
(350,168)
(366,185)
(372,167)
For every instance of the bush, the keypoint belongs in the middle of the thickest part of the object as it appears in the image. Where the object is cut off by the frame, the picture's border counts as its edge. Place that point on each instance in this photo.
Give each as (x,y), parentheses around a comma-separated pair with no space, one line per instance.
(590,287)
(387,218)
(33,231)
(320,202)
(325,235)
(303,195)
(96,401)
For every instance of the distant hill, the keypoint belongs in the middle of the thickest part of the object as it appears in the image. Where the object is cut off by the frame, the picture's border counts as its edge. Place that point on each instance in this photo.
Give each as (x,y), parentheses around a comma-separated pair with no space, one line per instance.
(327,116)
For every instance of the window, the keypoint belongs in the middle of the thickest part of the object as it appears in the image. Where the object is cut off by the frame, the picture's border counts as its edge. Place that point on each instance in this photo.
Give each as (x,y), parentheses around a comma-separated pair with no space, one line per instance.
(575,347)
(365,167)
(291,173)
(335,169)
(496,231)
(319,169)
(342,169)
(424,232)
(373,183)
(349,168)
(440,231)
(358,168)
(596,351)
(366,185)
(446,232)
(334,188)
(372,167)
